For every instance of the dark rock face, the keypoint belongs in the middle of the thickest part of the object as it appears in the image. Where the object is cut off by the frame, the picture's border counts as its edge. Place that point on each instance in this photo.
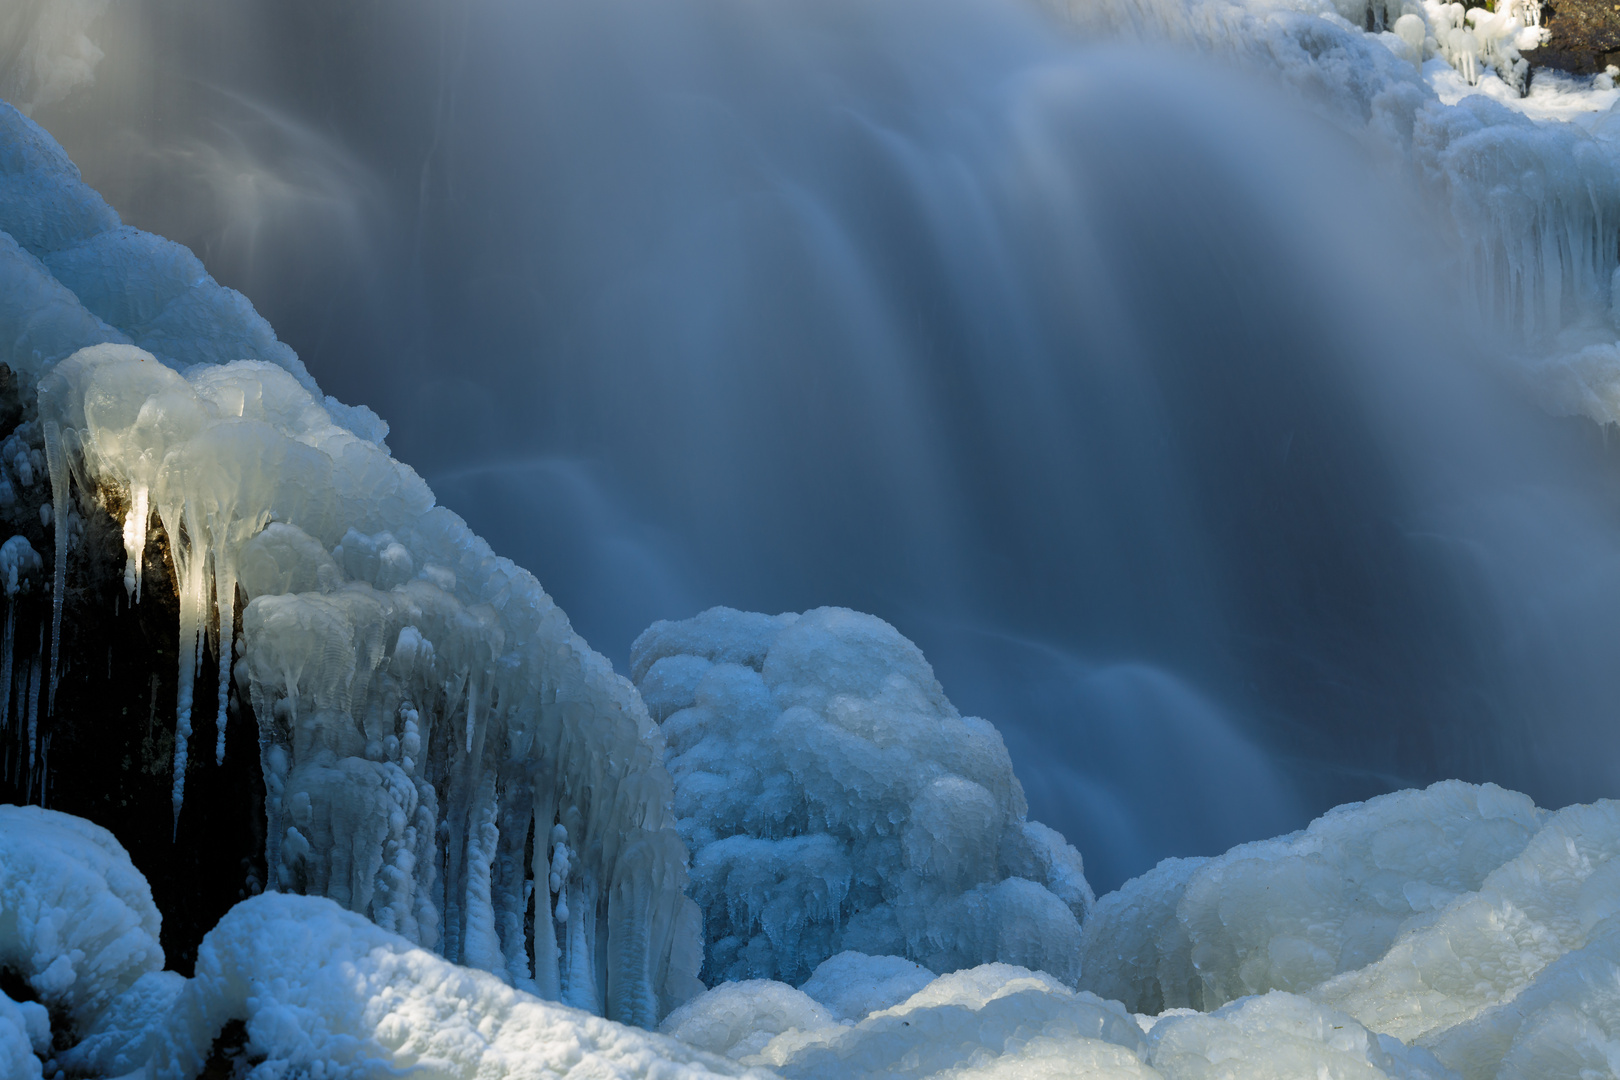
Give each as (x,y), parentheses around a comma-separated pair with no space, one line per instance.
(106,751)
(1585,36)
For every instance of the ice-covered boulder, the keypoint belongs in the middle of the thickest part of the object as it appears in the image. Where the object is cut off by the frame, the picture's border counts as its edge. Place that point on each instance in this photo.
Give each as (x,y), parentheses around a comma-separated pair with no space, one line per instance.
(77,923)
(834,800)
(1290,913)
(1495,973)
(79,930)
(321,991)
(853,985)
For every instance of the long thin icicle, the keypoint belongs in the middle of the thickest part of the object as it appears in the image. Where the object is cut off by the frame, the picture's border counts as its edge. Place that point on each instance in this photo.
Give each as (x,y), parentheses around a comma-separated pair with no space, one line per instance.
(225,603)
(135,540)
(192,603)
(56,462)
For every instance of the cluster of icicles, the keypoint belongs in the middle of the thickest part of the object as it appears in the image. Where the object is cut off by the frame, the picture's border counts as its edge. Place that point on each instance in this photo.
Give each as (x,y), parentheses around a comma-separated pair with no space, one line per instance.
(435,739)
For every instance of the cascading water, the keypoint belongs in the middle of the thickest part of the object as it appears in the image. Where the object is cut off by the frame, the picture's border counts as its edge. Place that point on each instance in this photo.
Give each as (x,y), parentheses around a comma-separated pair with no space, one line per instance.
(1127,394)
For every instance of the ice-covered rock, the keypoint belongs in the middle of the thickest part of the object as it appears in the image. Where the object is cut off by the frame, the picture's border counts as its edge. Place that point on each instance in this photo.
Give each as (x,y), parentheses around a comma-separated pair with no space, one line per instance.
(737,1019)
(72,276)
(1556,899)
(25,1035)
(834,799)
(78,928)
(77,923)
(427,716)
(323,992)
(1290,913)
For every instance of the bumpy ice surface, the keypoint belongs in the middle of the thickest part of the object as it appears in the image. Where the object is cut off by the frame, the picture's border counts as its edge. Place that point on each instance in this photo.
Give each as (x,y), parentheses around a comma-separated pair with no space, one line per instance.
(834,800)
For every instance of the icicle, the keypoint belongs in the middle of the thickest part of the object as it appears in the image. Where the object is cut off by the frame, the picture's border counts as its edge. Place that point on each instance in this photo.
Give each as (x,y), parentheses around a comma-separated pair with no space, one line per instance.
(472,710)
(7,647)
(33,711)
(135,540)
(56,462)
(225,603)
(192,603)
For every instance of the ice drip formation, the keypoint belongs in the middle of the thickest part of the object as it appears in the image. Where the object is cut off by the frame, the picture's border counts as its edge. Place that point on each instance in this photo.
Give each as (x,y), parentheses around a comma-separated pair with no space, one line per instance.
(778,843)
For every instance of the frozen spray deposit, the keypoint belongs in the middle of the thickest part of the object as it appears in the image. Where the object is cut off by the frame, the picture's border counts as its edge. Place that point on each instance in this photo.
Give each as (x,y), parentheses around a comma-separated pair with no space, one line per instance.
(834,800)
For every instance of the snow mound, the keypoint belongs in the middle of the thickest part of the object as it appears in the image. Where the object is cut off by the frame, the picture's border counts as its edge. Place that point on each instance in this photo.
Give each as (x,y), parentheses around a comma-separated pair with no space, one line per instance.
(77,923)
(1459,921)
(738,1019)
(1290,913)
(324,992)
(834,800)
(853,985)
(78,927)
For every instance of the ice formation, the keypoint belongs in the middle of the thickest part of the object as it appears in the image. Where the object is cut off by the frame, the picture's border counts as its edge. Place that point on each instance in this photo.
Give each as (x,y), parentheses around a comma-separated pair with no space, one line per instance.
(834,800)
(1461,920)
(78,929)
(999,1022)
(1515,978)
(428,720)
(433,735)
(1290,913)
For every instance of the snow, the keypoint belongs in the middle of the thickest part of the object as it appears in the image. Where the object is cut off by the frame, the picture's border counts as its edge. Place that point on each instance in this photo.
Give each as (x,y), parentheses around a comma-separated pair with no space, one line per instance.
(77,925)
(853,985)
(1516,976)
(1484,949)
(325,992)
(834,799)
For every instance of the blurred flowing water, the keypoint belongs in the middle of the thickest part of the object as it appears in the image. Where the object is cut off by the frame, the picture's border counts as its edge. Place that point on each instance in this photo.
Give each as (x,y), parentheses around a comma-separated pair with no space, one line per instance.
(1132,397)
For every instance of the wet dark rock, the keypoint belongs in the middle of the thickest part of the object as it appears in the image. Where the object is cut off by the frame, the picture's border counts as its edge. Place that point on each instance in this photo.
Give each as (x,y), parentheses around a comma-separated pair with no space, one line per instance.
(1584,37)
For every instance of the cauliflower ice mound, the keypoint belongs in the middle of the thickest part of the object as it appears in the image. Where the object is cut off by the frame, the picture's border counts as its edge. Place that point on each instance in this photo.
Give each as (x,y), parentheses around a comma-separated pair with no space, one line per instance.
(835,800)
(79,942)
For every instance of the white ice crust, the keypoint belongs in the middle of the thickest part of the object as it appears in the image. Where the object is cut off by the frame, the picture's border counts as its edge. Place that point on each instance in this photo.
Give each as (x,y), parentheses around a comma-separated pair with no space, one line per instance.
(326,993)
(1460,920)
(1289,913)
(834,800)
